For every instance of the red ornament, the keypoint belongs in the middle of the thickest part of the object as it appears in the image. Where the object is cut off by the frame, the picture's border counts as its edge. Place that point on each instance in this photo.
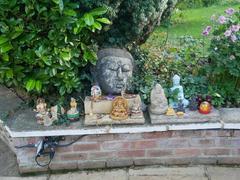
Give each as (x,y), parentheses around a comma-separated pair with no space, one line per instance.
(205,107)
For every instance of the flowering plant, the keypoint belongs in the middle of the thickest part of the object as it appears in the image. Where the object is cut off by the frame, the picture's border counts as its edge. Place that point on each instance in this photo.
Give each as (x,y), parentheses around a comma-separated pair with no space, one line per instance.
(224,53)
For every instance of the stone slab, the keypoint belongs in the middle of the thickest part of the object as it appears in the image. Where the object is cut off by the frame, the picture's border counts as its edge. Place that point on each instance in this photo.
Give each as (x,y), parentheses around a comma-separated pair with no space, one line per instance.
(164,173)
(113,175)
(223,173)
(188,117)
(230,115)
(106,120)
(25,178)
(104,106)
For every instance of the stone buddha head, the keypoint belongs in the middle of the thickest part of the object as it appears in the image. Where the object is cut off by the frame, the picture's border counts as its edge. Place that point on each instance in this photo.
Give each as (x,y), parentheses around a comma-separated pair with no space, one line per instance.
(113,70)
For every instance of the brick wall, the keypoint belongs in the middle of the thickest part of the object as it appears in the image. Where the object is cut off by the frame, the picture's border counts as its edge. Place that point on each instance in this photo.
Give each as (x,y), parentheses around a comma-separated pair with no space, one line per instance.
(118,150)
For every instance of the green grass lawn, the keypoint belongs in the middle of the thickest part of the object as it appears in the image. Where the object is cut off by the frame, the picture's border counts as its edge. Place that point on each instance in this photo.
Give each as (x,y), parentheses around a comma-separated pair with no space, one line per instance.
(191,22)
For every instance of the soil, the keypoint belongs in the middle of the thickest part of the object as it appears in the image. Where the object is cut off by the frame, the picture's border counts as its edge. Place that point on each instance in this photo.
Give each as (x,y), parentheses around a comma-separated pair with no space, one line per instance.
(8,162)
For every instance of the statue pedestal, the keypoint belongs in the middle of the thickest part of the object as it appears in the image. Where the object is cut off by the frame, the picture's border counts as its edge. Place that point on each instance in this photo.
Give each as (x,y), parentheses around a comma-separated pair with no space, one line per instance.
(98,112)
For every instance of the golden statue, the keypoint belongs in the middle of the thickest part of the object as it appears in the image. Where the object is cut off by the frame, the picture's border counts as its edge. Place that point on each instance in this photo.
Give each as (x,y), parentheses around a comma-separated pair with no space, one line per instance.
(119,109)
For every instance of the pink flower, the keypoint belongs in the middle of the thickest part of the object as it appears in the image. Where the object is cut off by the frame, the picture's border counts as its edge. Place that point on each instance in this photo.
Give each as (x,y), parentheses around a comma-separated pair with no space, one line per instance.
(206,31)
(228,33)
(230,11)
(222,19)
(235,28)
(233,38)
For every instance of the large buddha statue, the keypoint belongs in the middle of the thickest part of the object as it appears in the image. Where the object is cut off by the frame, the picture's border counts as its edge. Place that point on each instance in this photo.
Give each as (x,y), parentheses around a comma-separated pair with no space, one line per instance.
(113,70)
(112,75)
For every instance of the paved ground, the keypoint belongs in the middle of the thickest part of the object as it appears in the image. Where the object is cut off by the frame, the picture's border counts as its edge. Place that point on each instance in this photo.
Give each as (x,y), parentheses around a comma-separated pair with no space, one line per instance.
(145,173)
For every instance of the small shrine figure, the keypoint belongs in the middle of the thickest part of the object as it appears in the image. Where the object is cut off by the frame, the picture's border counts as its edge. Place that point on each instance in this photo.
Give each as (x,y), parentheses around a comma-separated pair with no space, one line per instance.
(42,112)
(73,113)
(170,112)
(193,105)
(180,95)
(56,111)
(180,109)
(119,109)
(136,109)
(96,92)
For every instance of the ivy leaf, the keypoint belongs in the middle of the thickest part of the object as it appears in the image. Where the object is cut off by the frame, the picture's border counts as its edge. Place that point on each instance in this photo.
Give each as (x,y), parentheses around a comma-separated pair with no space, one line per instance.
(104,20)
(61,5)
(9,73)
(70,12)
(97,25)
(3,39)
(88,18)
(5,57)
(30,84)
(98,11)
(38,86)
(66,56)
(5,47)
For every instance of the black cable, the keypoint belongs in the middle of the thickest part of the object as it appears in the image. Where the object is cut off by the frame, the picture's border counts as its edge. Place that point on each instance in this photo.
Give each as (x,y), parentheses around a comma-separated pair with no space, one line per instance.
(65,145)
(25,146)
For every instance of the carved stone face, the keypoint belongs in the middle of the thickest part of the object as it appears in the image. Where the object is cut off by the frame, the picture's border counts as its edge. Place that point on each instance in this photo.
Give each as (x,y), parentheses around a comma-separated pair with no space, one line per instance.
(113,73)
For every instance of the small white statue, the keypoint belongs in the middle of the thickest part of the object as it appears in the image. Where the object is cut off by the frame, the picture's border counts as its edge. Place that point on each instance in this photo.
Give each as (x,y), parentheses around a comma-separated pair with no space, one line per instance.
(180,95)
(96,92)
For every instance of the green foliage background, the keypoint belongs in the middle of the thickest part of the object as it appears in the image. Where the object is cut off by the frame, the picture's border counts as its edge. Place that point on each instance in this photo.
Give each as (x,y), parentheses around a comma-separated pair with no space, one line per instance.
(46,45)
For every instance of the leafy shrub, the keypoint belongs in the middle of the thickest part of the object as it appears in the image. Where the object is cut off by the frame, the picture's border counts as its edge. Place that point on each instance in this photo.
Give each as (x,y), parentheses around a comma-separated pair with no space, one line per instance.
(45,45)
(133,21)
(224,57)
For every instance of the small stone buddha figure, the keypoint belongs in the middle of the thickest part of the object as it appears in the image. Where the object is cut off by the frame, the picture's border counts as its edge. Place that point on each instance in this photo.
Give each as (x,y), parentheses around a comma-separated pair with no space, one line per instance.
(159,103)
(136,110)
(119,109)
(73,113)
(42,112)
(96,92)
(180,95)
(113,70)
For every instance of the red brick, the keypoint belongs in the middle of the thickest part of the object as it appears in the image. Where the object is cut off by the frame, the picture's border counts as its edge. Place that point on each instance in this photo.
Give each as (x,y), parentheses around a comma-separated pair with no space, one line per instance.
(236,133)
(195,133)
(225,133)
(102,155)
(86,147)
(159,153)
(235,142)
(134,153)
(216,151)
(115,145)
(196,142)
(64,149)
(156,135)
(188,152)
(222,142)
(178,143)
(143,145)
(100,138)
(128,137)
(72,157)
(209,133)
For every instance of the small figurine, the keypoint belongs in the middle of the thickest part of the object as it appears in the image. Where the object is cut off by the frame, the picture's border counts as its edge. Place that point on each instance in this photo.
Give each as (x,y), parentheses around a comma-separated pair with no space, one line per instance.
(180,95)
(170,112)
(96,92)
(180,107)
(136,109)
(193,105)
(56,111)
(159,103)
(119,109)
(205,107)
(42,112)
(73,113)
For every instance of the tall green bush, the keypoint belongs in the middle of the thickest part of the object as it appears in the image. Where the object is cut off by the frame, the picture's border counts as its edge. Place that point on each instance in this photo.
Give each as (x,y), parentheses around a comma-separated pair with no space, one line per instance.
(45,45)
